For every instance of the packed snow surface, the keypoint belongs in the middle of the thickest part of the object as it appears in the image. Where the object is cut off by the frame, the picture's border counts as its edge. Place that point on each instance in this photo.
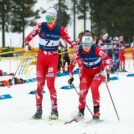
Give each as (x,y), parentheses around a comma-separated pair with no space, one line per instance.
(16,113)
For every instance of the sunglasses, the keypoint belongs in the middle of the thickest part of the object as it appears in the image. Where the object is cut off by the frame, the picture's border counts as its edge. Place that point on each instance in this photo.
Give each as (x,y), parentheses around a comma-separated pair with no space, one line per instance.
(49,18)
(88,45)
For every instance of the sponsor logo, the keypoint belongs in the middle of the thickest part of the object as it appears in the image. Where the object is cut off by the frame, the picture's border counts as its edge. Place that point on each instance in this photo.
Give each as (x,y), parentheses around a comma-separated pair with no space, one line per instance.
(43,34)
(96,78)
(101,53)
(50,75)
(50,69)
(51,35)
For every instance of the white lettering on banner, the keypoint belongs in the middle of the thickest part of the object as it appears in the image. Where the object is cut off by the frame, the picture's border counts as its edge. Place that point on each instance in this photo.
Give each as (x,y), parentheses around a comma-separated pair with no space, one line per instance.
(101,53)
(48,42)
(50,69)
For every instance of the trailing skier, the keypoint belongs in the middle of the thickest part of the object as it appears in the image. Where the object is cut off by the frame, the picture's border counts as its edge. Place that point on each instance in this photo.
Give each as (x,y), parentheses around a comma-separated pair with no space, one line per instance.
(122,53)
(94,62)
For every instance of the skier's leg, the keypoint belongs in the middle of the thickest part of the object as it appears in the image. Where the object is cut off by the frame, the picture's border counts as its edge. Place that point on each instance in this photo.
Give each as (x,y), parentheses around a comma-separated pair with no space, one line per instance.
(41,75)
(52,70)
(97,80)
(85,82)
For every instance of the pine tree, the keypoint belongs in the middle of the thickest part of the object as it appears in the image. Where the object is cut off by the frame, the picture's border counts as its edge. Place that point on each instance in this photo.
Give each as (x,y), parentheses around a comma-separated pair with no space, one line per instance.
(63,17)
(112,16)
(83,8)
(4,18)
(22,16)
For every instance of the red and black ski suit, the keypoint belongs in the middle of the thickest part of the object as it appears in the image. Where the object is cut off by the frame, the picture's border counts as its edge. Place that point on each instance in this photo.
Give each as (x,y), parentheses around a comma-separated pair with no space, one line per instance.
(122,45)
(47,60)
(93,63)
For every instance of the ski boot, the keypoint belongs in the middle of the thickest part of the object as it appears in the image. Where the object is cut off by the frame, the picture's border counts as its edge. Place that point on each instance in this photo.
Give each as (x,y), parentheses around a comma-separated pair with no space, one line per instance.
(80,115)
(96,115)
(54,115)
(37,115)
(124,70)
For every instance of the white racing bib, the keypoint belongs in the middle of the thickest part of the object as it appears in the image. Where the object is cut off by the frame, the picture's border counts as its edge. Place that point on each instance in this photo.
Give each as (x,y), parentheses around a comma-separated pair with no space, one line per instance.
(48,42)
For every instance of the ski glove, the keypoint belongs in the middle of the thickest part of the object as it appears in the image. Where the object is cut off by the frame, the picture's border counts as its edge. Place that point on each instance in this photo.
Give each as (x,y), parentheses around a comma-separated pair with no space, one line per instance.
(70,81)
(27,47)
(103,72)
(107,67)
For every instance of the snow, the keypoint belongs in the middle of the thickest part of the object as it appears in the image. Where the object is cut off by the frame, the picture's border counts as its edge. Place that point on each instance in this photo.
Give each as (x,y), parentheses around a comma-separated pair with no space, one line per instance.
(16,113)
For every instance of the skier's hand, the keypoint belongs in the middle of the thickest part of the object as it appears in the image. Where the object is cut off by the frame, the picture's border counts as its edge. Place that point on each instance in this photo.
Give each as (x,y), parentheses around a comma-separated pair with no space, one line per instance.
(103,72)
(27,47)
(107,67)
(75,46)
(70,81)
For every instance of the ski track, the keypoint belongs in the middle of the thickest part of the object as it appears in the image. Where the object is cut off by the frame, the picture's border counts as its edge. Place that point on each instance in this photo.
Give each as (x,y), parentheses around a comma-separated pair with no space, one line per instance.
(16,113)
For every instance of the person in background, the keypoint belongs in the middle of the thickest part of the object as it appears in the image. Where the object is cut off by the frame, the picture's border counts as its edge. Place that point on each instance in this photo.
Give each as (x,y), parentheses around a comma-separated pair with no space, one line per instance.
(47,60)
(122,44)
(103,45)
(116,53)
(65,54)
(109,46)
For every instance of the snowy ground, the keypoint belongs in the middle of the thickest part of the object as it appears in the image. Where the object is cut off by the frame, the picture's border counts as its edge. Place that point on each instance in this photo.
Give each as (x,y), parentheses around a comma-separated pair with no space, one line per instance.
(16,113)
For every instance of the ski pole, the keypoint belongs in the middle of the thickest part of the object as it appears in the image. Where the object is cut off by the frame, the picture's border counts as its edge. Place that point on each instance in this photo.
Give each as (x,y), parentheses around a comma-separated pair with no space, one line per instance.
(112,100)
(19,65)
(82,98)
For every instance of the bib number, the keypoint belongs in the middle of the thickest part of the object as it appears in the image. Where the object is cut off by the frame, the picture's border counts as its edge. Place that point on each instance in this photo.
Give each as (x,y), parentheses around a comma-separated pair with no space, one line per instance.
(48,42)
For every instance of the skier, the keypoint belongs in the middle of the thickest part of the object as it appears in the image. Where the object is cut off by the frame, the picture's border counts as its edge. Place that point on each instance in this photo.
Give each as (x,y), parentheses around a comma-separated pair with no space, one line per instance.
(61,59)
(116,55)
(94,62)
(63,55)
(122,44)
(47,61)
(109,43)
(103,44)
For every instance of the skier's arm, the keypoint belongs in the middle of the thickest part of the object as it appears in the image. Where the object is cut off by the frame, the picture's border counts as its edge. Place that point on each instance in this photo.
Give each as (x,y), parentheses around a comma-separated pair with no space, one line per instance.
(75,58)
(107,60)
(73,62)
(67,38)
(32,34)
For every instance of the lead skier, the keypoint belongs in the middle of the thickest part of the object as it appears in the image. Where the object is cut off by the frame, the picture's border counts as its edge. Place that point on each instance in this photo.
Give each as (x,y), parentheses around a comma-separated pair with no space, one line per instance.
(94,62)
(47,61)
